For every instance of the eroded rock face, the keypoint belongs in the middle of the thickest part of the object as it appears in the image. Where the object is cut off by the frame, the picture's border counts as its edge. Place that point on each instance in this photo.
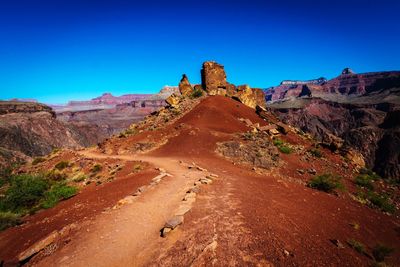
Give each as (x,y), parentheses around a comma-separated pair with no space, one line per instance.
(185,87)
(37,133)
(346,84)
(213,78)
(368,129)
(214,82)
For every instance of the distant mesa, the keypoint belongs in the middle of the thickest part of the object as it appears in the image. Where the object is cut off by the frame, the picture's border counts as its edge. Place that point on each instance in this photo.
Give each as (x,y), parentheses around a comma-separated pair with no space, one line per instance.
(320,80)
(348,83)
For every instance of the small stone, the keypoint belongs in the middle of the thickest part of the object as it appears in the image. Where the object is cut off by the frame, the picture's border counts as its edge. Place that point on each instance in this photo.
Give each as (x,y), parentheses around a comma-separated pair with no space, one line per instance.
(287,253)
(300,171)
(201,169)
(142,189)
(337,243)
(174,222)
(165,231)
(214,175)
(194,189)
(312,171)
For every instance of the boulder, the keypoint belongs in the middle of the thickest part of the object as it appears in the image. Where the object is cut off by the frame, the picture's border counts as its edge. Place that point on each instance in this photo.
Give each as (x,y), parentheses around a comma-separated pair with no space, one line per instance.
(213,78)
(185,87)
(173,100)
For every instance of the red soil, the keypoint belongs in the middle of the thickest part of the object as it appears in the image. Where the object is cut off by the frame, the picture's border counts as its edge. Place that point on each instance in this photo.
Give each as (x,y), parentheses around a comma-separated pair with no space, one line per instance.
(91,201)
(245,218)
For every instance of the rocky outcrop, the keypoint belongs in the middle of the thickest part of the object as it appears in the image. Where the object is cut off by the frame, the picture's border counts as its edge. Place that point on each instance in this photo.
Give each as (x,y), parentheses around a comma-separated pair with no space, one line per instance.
(185,87)
(214,82)
(368,129)
(8,107)
(37,132)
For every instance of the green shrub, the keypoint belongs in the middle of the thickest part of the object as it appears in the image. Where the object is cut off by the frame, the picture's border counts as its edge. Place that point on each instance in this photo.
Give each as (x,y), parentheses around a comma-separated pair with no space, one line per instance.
(24,192)
(364,180)
(381,201)
(370,173)
(357,246)
(38,160)
(285,149)
(56,193)
(5,174)
(278,142)
(326,182)
(380,252)
(282,146)
(8,219)
(96,168)
(316,152)
(197,94)
(62,165)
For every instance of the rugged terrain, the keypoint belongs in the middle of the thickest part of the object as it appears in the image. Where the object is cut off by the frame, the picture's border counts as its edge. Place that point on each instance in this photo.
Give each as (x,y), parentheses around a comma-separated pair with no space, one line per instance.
(358,111)
(208,180)
(31,129)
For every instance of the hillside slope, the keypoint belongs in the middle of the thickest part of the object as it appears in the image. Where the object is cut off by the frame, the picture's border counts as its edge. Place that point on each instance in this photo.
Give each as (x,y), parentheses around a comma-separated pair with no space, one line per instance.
(253,209)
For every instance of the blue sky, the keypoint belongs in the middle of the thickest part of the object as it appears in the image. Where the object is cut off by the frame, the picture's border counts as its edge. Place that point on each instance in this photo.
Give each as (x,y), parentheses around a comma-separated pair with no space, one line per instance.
(60,50)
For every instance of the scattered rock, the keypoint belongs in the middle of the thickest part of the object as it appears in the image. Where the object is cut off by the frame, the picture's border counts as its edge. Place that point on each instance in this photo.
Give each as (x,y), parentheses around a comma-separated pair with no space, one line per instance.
(183,209)
(300,171)
(201,169)
(194,189)
(205,181)
(171,224)
(173,100)
(312,171)
(38,246)
(337,243)
(286,253)
(189,195)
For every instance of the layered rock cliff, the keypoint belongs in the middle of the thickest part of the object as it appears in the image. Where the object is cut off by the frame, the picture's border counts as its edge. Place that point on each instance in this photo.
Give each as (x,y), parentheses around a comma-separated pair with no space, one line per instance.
(360,111)
(31,129)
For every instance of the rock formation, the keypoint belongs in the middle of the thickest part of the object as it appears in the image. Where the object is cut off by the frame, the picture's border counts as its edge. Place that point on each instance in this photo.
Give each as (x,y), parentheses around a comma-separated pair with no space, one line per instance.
(185,87)
(346,84)
(31,129)
(214,82)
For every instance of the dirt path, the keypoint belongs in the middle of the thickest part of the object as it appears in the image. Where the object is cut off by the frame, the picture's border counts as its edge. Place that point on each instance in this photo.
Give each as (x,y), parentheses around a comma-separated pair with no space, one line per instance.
(127,236)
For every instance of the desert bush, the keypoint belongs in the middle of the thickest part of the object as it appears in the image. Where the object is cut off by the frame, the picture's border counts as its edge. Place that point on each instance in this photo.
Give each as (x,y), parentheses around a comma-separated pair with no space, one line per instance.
(8,219)
(370,173)
(326,182)
(316,152)
(357,246)
(24,192)
(380,252)
(381,201)
(96,168)
(62,165)
(285,149)
(364,180)
(56,193)
(282,146)
(79,177)
(197,94)
(137,167)
(278,142)
(55,175)
(5,174)
(38,160)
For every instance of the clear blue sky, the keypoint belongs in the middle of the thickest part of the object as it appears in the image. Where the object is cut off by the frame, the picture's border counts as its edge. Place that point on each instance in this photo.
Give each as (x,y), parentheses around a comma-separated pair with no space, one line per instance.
(59,50)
